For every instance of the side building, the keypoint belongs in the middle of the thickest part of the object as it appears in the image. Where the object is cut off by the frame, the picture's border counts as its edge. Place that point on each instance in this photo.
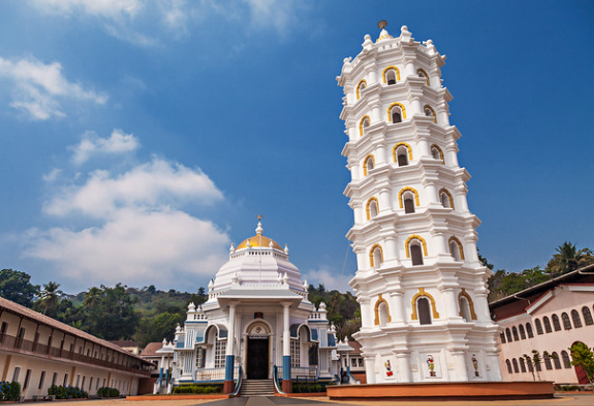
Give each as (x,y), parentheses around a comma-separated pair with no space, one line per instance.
(38,352)
(548,318)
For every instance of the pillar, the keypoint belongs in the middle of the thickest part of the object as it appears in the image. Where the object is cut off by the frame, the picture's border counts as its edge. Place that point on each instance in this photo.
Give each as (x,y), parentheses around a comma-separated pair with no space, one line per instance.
(287,383)
(370,369)
(228,385)
(404,367)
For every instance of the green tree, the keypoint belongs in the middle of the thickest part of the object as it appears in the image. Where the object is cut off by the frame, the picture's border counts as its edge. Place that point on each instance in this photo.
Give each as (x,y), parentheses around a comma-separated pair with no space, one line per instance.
(50,297)
(568,258)
(109,313)
(582,355)
(17,286)
(156,328)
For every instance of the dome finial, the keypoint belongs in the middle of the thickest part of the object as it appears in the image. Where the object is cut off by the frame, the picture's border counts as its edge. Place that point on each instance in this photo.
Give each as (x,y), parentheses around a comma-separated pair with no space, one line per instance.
(382,24)
(259,229)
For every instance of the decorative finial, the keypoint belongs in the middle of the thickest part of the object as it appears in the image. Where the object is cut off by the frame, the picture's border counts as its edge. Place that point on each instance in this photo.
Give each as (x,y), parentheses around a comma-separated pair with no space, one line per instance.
(259,229)
(382,24)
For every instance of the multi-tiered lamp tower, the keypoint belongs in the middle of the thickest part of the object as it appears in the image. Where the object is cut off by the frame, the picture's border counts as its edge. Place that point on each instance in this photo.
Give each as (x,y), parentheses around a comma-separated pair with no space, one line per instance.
(421,286)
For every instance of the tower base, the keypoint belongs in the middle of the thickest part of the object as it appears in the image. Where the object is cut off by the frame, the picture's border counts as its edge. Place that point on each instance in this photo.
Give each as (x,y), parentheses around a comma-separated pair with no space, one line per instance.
(443,391)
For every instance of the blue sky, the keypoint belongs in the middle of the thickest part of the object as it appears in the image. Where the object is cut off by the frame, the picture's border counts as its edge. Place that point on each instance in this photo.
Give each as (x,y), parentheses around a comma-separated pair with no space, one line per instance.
(139,139)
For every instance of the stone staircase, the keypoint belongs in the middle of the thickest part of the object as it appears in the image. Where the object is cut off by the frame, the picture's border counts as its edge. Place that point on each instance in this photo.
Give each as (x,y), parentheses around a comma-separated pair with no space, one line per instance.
(257,387)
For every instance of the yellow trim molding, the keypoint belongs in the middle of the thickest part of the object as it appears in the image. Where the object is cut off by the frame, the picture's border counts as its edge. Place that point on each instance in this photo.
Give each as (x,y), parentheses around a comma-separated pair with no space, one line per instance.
(372,250)
(444,190)
(386,71)
(421,292)
(470,303)
(440,152)
(361,124)
(412,237)
(401,109)
(410,154)
(363,81)
(426,76)
(426,106)
(408,189)
(373,199)
(365,163)
(459,246)
(376,310)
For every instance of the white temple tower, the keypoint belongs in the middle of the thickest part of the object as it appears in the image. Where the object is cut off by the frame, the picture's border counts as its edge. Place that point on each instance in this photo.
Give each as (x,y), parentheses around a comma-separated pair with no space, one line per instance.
(420,284)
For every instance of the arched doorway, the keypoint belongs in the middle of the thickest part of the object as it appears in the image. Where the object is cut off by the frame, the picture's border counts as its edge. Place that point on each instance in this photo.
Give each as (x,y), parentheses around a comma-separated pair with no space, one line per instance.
(258,351)
(582,376)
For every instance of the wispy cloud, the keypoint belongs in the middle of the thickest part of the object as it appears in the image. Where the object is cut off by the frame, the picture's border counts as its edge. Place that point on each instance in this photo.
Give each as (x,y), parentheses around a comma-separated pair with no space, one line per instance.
(101,8)
(117,143)
(133,226)
(37,87)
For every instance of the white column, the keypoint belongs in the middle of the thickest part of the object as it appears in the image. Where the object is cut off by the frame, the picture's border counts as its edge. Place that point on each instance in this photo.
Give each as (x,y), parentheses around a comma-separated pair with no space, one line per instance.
(231,331)
(404,367)
(397,311)
(286,329)
(370,369)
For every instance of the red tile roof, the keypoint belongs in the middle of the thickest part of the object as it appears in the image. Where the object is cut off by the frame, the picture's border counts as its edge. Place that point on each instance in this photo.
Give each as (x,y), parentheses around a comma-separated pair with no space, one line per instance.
(151,349)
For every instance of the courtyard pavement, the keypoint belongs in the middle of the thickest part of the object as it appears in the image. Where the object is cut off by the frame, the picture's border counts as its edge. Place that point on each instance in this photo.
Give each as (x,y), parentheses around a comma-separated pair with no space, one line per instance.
(572,399)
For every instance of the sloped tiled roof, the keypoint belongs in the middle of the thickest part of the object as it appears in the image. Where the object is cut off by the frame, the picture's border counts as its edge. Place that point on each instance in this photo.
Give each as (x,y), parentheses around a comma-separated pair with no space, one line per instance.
(55,324)
(151,349)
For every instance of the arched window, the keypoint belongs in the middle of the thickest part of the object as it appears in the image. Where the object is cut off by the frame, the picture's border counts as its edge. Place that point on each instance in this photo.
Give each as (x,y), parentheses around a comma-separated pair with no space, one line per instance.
(446,199)
(416,248)
(391,75)
(522,365)
(423,310)
(587,316)
(529,363)
(362,85)
(396,113)
(575,316)
(515,363)
(515,333)
(409,204)
(502,337)
(508,365)
(402,154)
(408,193)
(547,324)
(566,361)
(465,309)
(556,360)
(382,312)
(372,208)
(566,322)
(376,256)
(368,164)
(429,112)
(556,324)
(547,360)
(363,124)
(508,335)
(423,74)
(529,330)
(456,249)
(538,326)
(522,332)
(416,254)
(437,153)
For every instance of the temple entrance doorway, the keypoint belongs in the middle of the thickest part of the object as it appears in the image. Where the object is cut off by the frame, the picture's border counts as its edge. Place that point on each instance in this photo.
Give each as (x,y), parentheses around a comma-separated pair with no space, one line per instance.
(257,359)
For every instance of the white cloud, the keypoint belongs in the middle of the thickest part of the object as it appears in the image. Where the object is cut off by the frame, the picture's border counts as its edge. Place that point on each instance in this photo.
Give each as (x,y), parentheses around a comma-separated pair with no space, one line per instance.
(37,87)
(136,247)
(102,8)
(140,234)
(151,185)
(117,143)
(330,280)
(52,175)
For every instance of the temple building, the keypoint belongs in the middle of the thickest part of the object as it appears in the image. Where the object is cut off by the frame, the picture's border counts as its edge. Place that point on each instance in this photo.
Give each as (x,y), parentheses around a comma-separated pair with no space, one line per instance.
(419,281)
(257,324)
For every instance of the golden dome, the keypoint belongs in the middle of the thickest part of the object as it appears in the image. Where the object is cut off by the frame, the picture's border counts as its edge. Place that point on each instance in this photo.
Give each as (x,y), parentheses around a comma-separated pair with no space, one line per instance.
(259,241)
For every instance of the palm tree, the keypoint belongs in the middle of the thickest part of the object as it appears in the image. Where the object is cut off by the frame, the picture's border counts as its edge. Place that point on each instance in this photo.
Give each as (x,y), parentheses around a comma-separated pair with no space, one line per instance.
(50,296)
(568,258)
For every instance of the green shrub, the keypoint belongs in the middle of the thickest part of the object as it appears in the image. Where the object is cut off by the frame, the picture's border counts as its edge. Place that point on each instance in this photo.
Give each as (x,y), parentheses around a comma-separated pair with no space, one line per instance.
(106,392)
(10,391)
(196,389)
(67,392)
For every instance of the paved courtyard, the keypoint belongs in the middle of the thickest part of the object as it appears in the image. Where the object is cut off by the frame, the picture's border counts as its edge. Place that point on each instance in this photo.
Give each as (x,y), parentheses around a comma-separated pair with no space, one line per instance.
(559,400)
